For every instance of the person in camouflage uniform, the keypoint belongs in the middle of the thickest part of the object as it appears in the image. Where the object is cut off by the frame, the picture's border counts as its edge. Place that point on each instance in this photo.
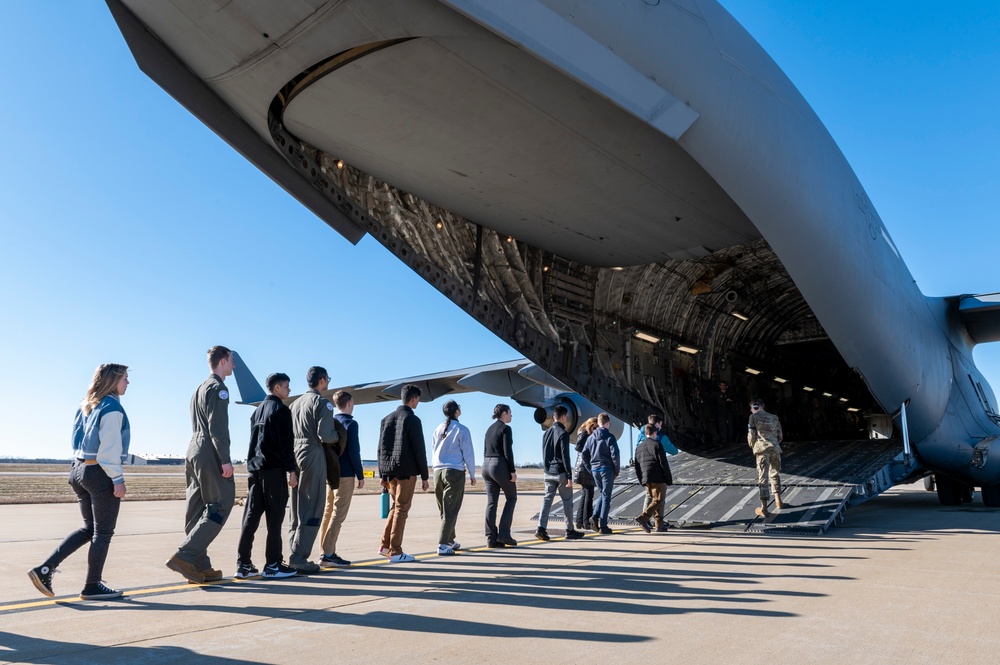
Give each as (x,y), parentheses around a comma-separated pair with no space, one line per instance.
(764,437)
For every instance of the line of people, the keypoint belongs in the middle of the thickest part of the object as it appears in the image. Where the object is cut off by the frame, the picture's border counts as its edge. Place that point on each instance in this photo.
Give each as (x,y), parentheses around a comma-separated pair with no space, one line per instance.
(309,452)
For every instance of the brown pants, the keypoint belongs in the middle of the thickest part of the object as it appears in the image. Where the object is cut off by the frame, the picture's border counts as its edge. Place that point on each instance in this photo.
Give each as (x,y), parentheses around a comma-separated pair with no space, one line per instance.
(338,502)
(402,496)
(655,492)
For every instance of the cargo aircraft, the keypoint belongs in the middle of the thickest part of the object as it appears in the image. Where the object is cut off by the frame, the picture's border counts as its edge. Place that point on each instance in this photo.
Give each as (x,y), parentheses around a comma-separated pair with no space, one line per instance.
(629,192)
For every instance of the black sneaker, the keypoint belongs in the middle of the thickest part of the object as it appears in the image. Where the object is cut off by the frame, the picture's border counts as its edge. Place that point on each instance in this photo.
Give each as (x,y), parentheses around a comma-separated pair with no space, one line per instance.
(495,544)
(98,591)
(507,540)
(41,577)
(595,524)
(644,523)
(333,561)
(605,531)
(277,571)
(541,534)
(574,535)
(245,571)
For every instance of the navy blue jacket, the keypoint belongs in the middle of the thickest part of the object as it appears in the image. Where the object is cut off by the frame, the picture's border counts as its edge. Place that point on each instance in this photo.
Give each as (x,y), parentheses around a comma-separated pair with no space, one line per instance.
(350,460)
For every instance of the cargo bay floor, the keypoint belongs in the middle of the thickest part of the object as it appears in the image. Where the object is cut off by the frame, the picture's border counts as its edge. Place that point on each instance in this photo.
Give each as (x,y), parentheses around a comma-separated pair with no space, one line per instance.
(904,580)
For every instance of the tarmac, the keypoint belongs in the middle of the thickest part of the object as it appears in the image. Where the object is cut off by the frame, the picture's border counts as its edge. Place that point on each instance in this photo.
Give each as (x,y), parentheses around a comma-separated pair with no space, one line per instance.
(904,580)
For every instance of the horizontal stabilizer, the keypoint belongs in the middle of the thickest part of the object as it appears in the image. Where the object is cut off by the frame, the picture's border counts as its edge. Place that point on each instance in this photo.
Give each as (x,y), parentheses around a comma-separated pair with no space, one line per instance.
(981,316)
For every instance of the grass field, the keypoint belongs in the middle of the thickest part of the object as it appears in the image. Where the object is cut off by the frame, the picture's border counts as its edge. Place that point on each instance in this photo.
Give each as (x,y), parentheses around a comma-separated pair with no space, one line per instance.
(143,483)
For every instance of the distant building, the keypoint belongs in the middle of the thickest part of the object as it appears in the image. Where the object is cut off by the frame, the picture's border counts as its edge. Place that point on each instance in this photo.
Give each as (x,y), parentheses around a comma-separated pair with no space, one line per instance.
(158,460)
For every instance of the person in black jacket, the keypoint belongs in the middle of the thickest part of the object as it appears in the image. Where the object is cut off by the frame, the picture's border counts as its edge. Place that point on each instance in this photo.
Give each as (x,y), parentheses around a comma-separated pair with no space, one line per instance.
(652,471)
(583,477)
(269,458)
(499,474)
(402,456)
(558,475)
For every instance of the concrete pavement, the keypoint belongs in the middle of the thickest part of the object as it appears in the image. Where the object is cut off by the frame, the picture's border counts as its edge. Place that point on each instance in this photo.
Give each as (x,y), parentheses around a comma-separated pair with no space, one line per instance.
(905,580)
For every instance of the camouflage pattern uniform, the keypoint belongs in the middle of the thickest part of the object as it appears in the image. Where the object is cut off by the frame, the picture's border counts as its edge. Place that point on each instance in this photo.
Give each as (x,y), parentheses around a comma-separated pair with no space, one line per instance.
(764,436)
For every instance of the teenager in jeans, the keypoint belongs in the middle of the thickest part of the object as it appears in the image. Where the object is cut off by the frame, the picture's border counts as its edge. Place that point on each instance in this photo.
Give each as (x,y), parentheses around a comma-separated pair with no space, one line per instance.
(601,454)
(100,446)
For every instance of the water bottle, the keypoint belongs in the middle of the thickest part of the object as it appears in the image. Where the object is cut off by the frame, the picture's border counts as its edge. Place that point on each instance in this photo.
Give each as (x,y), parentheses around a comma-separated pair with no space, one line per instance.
(385,502)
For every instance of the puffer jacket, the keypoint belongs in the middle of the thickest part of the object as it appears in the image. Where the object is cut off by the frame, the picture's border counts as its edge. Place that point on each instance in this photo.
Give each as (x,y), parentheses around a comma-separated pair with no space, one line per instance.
(401,449)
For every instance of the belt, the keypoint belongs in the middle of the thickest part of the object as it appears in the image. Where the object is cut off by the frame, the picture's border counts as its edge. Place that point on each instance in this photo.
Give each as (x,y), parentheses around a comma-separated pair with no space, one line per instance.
(88,462)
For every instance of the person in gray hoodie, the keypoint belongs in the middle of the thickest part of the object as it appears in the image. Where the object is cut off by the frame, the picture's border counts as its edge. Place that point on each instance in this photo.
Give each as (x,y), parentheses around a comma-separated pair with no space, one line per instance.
(601,454)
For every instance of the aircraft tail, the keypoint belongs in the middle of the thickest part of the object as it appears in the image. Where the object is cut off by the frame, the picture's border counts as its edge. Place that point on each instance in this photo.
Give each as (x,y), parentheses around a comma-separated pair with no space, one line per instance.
(251,392)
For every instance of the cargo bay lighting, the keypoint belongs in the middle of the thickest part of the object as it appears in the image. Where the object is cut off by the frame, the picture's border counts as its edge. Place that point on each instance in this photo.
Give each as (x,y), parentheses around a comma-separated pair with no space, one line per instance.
(741,317)
(687,349)
(778,379)
(751,370)
(807,389)
(646,337)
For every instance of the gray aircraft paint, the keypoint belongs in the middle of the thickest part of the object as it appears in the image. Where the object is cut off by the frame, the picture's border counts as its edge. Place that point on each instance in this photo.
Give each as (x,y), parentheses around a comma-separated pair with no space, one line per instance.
(690,82)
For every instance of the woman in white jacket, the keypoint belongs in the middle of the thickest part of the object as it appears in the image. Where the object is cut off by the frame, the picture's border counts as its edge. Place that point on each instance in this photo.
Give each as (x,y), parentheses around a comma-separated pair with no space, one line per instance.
(100,445)
(451,455)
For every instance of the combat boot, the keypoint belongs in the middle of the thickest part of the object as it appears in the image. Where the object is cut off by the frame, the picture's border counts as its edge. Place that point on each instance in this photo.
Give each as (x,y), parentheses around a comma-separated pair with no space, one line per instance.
(762,511)
(777,501)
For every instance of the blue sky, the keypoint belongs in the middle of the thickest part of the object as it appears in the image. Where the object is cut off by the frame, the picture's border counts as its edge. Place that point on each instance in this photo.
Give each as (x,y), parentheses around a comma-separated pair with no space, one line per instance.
(130,233)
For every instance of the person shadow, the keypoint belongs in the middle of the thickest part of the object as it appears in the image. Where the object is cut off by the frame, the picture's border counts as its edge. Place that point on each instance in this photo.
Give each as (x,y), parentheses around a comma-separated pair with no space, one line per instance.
(25,649)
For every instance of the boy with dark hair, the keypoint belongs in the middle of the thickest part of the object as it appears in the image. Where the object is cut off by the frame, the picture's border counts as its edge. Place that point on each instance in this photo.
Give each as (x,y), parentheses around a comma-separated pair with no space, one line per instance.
(653,473)
(269,459)
(315,430)
(558,474)
(402,456)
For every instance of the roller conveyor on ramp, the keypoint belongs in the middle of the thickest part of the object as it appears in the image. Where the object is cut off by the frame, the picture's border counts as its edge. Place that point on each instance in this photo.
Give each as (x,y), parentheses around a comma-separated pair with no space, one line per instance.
(716,487)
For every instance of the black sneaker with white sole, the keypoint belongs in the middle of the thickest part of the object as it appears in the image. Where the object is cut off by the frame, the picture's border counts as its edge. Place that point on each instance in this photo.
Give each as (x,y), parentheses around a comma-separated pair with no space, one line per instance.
(99,591)
(41,577)
(277,571)
(245,571)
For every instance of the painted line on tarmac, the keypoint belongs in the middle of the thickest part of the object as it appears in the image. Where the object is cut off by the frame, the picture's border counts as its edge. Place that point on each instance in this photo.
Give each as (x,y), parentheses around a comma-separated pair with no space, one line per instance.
(188,586)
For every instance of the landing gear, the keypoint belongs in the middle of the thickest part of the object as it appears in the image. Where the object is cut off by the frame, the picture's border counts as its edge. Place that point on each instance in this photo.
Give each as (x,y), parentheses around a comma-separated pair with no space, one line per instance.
(951,492)
(991,496)
(929,482)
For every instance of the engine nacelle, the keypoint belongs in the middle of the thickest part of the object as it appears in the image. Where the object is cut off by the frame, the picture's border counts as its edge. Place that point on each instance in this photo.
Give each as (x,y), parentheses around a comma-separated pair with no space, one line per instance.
(579,410)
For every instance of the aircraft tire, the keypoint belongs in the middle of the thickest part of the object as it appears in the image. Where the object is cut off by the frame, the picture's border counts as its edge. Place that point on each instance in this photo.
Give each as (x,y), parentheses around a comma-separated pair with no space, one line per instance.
(929,482)
(991,496)
(950,492)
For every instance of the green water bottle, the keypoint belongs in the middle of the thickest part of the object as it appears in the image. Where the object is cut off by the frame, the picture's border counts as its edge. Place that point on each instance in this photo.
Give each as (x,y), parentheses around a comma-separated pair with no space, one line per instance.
(385,502)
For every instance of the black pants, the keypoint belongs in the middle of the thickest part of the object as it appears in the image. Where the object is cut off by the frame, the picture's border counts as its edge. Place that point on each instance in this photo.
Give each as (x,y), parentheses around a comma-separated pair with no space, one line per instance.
(99,507)
(497,477)
(267,495)
(586,508)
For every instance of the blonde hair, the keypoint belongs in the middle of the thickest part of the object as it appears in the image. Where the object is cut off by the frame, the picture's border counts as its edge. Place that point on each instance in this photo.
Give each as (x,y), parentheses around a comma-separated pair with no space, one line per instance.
(589,425)
(104,383)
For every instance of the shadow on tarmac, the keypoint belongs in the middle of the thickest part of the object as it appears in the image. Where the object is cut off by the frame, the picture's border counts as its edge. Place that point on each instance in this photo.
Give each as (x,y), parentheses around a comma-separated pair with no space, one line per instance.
(21,649)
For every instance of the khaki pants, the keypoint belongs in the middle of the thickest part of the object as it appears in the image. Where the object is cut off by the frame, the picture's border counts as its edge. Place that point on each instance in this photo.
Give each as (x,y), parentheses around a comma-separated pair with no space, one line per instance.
(338,502)
(768,466)
(402,496)
(655,494)
(449,488)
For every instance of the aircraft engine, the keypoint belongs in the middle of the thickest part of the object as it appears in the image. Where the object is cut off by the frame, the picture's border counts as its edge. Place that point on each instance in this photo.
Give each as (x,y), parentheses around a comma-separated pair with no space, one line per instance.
(579,409)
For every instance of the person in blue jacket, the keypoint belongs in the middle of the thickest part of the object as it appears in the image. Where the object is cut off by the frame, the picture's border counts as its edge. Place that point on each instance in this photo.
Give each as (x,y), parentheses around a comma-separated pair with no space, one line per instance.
(100,446)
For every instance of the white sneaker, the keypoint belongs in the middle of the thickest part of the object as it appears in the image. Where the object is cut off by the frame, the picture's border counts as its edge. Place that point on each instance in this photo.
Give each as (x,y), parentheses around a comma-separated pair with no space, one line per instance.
(454,545)
(445,550)
(383,551)
(402,557)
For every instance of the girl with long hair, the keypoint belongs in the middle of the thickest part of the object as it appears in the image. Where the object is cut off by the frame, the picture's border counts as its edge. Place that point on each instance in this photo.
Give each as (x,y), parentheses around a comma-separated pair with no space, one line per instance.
(583,477)
(100,447)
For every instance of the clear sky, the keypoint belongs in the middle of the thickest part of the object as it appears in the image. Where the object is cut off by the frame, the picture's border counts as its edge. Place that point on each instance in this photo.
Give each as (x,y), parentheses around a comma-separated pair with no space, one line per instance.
(130,233)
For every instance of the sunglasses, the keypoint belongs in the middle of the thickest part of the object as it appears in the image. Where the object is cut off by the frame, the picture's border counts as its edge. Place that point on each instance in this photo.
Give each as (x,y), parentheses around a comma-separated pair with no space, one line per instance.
(755,407)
